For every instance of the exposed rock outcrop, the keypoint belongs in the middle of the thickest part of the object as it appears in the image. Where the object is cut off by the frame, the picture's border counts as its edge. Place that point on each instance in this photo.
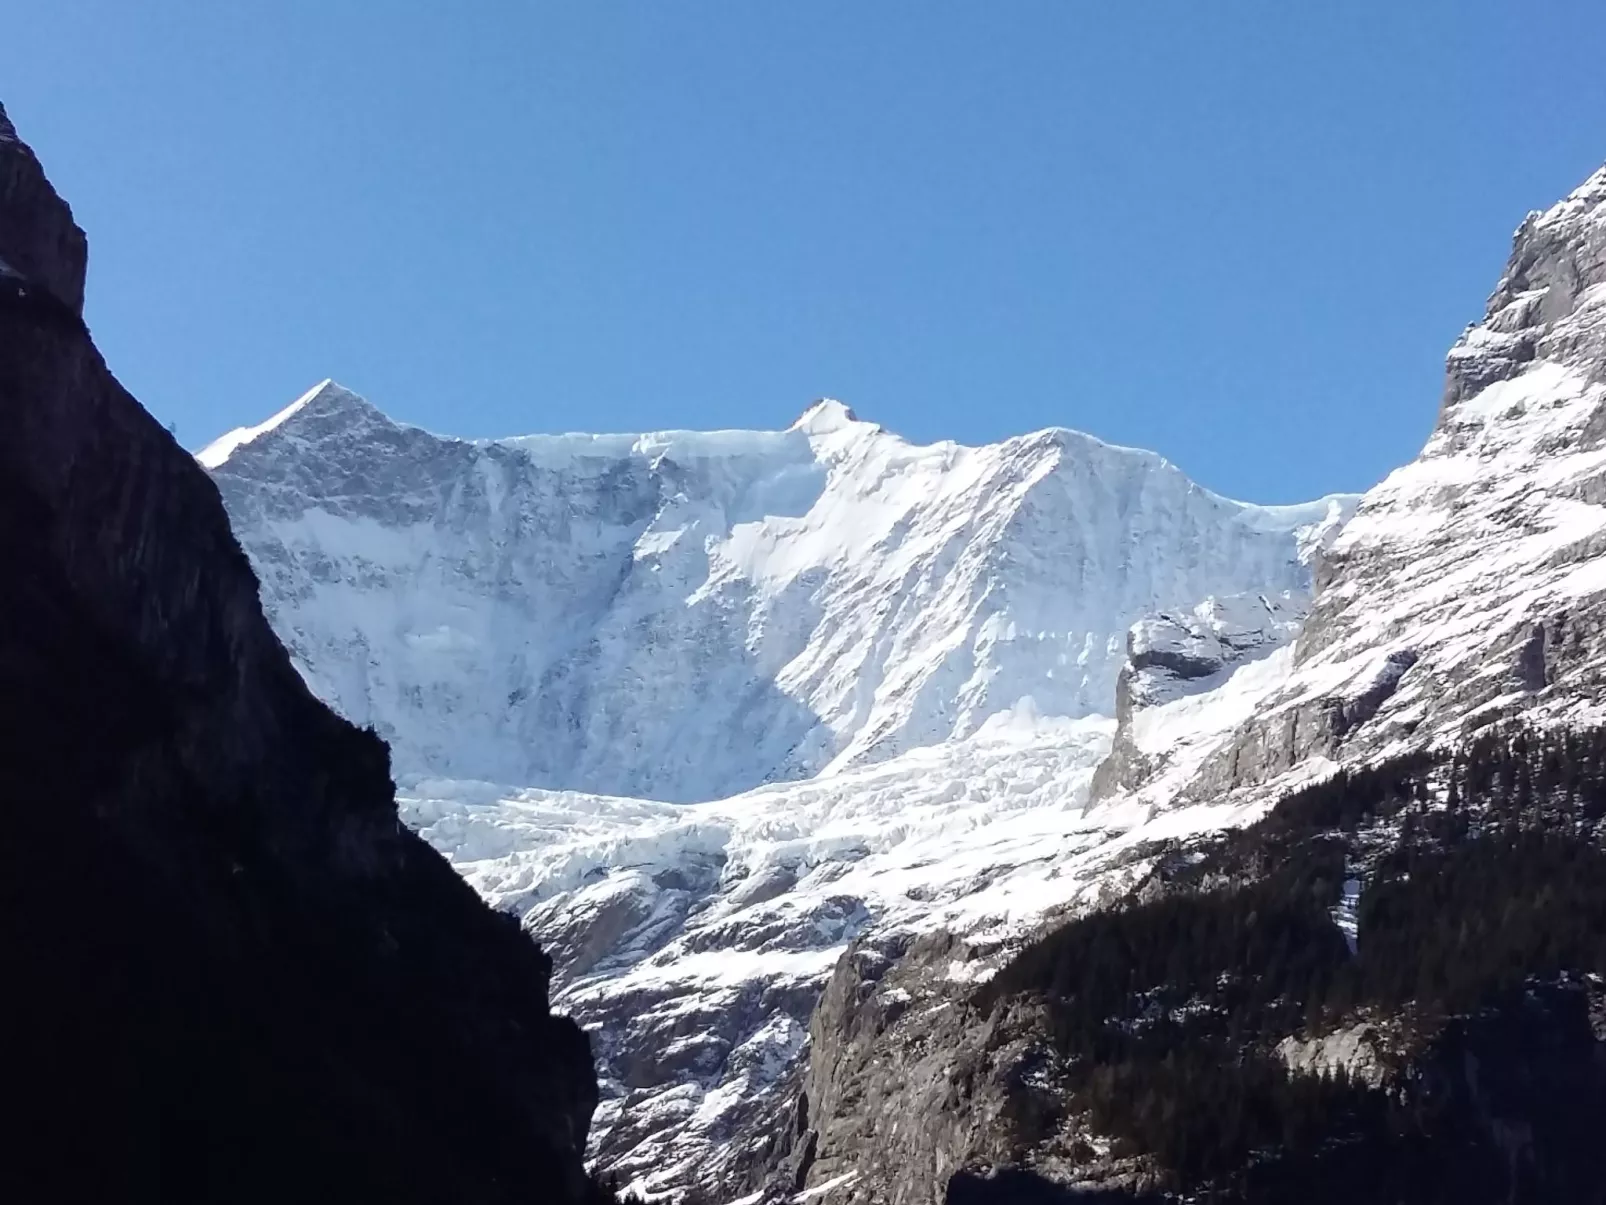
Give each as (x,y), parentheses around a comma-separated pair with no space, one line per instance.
(1174,655)
(899,1098)
(1221,1037)
(231,974)
(1468,587)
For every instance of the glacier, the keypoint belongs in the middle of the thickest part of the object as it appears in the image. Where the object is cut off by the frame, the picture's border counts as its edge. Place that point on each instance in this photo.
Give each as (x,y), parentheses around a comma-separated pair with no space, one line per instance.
(704,708)
(692,940)
(688,615)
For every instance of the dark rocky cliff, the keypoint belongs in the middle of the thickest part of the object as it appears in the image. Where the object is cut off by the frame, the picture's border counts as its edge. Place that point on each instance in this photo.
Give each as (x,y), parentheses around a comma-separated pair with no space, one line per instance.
(231,974)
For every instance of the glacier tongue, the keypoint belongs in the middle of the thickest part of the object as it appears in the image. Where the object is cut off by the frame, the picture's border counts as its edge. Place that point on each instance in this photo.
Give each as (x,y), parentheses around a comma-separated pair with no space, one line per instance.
(692,940)
(688,615)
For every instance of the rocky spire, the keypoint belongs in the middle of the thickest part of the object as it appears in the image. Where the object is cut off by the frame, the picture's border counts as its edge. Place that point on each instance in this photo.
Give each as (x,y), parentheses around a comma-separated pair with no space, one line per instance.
(1471,584)
(1549,304)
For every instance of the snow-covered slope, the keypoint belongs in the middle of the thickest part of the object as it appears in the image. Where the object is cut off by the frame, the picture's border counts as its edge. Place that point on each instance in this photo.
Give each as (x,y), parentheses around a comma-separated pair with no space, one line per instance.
(932,633)
(1190,679)
(1471,584)
(1468,590)
(692,940)
(687,615)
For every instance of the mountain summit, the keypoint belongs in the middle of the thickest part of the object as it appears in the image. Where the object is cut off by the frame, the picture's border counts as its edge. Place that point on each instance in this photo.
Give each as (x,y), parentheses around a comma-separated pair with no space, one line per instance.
(883,670)
(1352,949)
(1470,586)
(325,407)
(685,615)
(962,690)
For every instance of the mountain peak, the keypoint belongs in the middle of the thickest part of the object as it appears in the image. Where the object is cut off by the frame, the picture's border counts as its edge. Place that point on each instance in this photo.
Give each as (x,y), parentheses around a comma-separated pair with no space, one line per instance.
(1548,305)
(39,240)
(825,416)
(328,402)
(1587,201)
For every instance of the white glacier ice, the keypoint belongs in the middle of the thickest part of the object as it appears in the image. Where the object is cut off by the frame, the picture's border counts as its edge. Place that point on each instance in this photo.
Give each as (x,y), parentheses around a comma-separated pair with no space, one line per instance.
(687,615)
(757,695)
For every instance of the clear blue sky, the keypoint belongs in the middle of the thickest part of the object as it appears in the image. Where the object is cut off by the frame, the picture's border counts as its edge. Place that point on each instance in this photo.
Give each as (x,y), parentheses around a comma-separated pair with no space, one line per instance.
(1241,234)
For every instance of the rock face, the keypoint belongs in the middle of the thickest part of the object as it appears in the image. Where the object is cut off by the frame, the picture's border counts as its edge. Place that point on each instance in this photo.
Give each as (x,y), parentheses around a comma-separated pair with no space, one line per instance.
(1172,655)
(688,615)
(1469,585)
(44,246)
(906,1086)
(1172,658)
(1217,1038)
(231,973)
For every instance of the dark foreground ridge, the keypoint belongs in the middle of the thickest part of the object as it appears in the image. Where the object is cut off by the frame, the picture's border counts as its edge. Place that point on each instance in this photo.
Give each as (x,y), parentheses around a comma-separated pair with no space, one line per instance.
(230,972)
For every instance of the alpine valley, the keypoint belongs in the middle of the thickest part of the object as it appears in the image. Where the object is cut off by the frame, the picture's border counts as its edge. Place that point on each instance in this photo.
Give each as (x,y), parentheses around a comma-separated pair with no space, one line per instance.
(900,824)
(1019,822)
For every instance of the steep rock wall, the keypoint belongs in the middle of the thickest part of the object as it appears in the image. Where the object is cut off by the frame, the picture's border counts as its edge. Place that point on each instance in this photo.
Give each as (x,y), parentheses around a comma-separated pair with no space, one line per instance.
(231,972)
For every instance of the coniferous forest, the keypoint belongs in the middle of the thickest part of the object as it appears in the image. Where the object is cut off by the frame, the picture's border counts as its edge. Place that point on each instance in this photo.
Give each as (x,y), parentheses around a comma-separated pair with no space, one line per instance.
(1479,960)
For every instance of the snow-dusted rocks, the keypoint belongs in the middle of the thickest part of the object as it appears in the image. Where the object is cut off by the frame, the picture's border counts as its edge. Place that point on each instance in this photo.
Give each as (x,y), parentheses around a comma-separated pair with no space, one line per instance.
(1470,585)
(687,615)
(1170,655)
(1190,678)
(692,940)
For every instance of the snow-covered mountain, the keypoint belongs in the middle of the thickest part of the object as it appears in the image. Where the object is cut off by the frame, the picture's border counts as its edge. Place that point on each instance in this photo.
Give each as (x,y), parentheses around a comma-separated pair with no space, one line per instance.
(915,648)
(688,615)
(916,689)
(1458,620)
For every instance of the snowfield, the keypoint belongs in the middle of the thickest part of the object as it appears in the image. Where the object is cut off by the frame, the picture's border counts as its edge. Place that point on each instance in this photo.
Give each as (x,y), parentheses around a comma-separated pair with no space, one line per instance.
(692,939)
(688,615)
